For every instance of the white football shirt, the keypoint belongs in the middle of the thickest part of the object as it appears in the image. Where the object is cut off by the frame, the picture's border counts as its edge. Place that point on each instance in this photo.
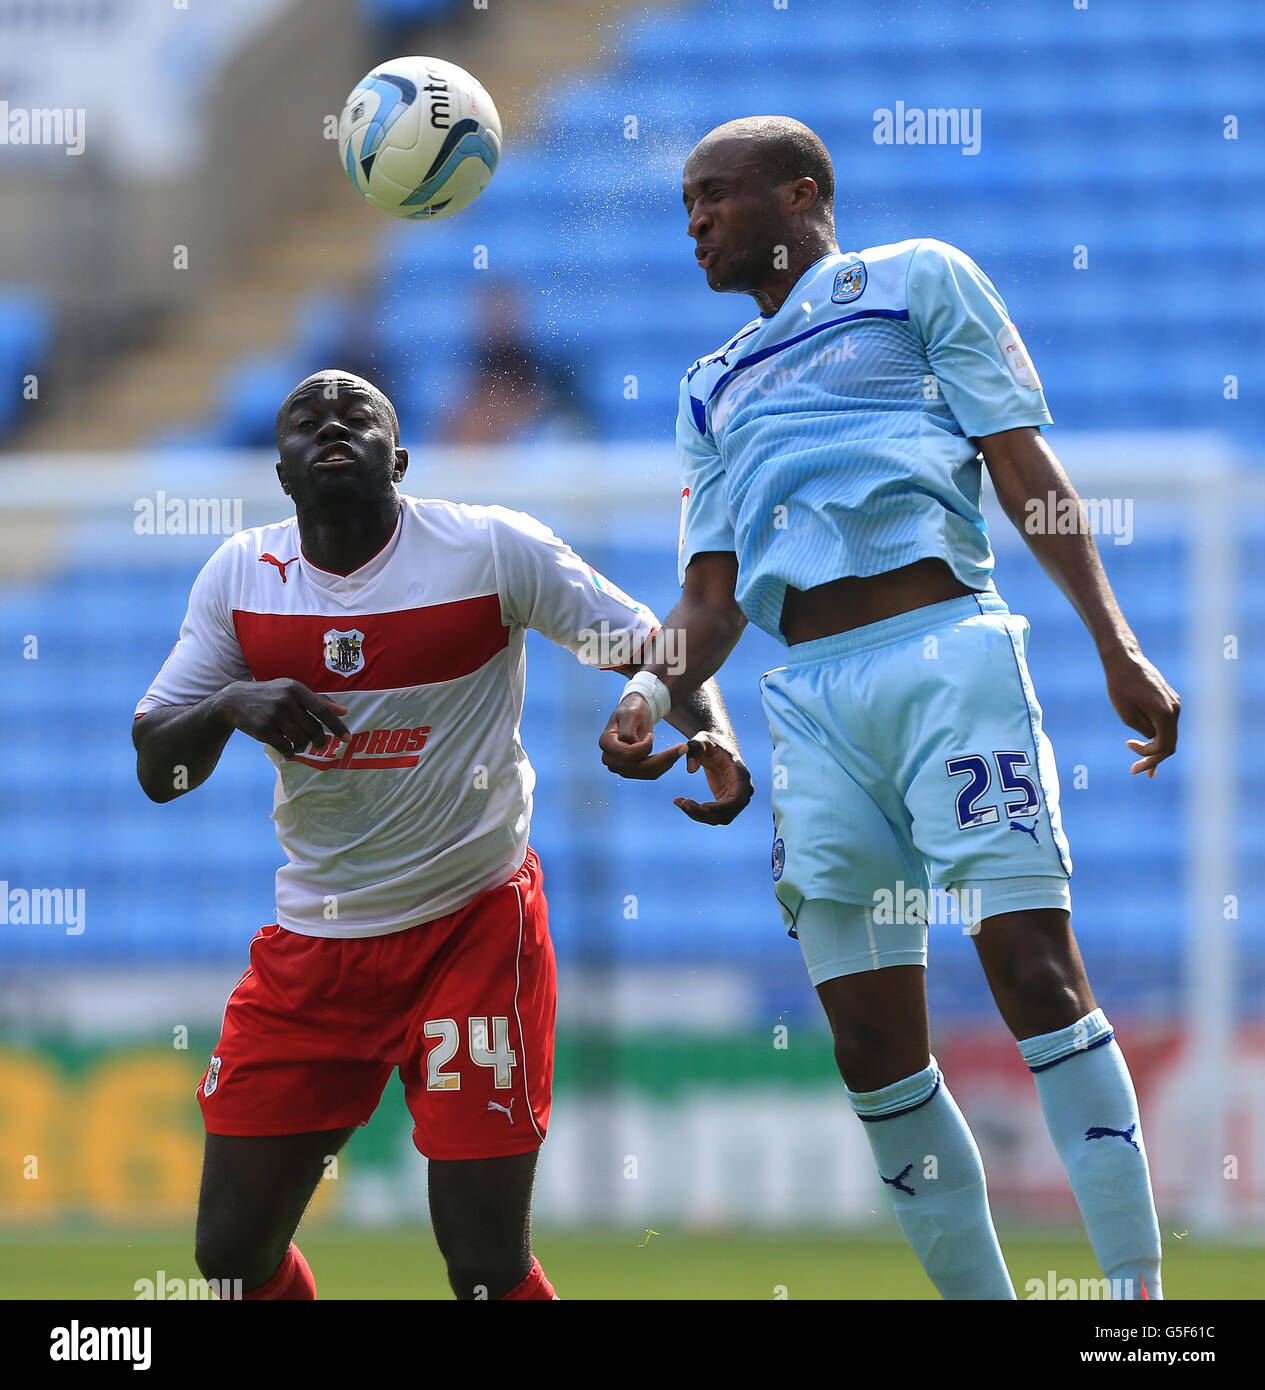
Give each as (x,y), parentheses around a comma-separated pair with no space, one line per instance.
(430,802)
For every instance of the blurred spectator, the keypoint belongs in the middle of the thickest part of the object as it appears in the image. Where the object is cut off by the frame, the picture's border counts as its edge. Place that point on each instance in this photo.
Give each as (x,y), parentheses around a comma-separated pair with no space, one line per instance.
(338,329)
(390,21)
(515,391)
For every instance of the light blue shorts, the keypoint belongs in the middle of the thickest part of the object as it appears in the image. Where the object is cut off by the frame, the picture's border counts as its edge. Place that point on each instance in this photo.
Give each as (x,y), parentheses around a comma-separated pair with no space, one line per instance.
(906,754)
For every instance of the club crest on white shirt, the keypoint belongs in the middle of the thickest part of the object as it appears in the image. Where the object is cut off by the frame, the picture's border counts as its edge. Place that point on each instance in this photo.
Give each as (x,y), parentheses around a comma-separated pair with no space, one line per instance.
(345,651)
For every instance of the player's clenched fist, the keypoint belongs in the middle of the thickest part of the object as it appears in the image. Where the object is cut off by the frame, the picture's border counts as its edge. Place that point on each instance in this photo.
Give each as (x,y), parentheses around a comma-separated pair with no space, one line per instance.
(284,714)
(628,739)
(627,743)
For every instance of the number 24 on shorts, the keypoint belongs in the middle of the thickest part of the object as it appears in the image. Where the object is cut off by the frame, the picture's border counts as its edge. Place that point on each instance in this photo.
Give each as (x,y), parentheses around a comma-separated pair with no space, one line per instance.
(500,1056)
(976,766)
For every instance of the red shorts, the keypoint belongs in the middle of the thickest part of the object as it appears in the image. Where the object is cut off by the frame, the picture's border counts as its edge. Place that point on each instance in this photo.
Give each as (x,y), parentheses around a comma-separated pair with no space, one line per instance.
(463,1005)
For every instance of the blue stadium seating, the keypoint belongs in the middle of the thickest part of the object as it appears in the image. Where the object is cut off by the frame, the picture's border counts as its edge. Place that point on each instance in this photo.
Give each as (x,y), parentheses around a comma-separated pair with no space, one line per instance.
(1089,140)
(25,337)
(401,14)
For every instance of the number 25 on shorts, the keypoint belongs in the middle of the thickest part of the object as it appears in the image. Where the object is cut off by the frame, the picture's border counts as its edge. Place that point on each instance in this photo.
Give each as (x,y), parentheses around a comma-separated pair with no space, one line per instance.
(976,767)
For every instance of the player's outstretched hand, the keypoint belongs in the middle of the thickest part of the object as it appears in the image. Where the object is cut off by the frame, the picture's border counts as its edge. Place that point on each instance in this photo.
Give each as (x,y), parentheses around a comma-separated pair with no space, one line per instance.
(727,776)
(1146,702)
(284,714)
(627,745)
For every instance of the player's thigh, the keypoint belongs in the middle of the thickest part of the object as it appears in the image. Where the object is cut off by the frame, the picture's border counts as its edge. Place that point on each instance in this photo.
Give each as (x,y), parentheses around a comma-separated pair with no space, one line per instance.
(840,830)
(982,785)
(307,1043)
(1034,970)
(254,1192)
(478,1065)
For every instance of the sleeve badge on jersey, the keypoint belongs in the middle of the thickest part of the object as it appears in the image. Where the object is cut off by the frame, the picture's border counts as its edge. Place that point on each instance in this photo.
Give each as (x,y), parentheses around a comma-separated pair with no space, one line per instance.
(212,1079)
(345,651)
(849,284)
(1015,356)
(604,585)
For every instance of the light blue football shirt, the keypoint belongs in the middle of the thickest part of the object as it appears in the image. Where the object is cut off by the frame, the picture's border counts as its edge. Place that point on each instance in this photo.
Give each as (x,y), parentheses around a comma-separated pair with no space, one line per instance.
(834,438)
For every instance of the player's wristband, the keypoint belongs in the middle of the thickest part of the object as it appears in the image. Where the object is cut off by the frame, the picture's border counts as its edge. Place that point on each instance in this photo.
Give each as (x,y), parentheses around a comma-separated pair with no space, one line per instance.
(654,692)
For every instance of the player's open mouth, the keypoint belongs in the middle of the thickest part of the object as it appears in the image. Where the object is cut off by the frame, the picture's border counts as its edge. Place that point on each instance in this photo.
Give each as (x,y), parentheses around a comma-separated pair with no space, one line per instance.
(333,458)
(707,256)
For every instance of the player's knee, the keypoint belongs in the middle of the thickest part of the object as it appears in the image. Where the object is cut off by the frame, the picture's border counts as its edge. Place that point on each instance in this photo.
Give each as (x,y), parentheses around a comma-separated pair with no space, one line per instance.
(868,1060)
(1039,991)
(1037,975)
(227,1255)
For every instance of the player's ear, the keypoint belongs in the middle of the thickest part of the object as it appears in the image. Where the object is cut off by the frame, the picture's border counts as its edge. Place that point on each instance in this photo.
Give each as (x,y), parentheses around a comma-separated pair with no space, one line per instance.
(281,478)
(803,194)
(401,464)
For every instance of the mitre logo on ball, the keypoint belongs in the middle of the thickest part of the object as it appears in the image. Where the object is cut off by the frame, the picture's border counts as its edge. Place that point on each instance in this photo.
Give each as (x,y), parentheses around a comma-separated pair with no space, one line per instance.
(419,138)
(345,651)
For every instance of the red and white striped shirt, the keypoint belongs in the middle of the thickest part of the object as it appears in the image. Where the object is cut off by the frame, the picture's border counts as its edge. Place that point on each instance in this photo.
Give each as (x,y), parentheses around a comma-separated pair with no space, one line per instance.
(430,803)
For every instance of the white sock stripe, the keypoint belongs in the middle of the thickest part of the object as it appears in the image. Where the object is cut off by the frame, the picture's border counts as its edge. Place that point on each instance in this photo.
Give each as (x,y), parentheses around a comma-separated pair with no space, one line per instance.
(1048,1049)
(900,1097)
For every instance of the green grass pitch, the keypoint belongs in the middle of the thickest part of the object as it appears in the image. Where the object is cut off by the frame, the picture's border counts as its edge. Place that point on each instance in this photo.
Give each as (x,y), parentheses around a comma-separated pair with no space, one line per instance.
(404,1264)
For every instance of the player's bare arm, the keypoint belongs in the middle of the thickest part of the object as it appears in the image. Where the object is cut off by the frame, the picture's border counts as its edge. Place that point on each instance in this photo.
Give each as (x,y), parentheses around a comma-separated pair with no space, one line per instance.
(710,623)
(1023,466)
(284,714)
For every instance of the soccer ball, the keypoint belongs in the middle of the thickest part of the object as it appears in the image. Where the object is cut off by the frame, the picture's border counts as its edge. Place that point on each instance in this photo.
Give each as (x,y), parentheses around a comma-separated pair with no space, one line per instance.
(419,138)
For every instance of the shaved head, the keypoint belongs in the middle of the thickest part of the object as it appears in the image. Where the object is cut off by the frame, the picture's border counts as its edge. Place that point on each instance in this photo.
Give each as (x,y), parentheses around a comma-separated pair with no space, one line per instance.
(338,447)
(759,194)
(332,383)
(785,148)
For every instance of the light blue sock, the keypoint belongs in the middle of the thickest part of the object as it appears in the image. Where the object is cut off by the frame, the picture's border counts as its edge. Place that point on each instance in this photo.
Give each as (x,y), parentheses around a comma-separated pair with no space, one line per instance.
(932,1172)
(1091,1112)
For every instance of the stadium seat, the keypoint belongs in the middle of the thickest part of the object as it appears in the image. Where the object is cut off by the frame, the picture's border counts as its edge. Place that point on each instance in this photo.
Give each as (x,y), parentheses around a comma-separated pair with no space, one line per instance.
(26,328)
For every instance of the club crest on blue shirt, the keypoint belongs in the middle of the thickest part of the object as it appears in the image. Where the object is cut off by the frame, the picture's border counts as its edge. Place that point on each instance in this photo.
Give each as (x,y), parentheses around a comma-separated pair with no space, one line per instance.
(779,858)
(849,284)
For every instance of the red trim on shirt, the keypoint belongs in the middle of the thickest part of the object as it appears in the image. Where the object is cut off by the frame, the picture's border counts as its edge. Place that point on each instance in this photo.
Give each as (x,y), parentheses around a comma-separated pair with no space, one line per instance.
(636,660)
(414,646)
